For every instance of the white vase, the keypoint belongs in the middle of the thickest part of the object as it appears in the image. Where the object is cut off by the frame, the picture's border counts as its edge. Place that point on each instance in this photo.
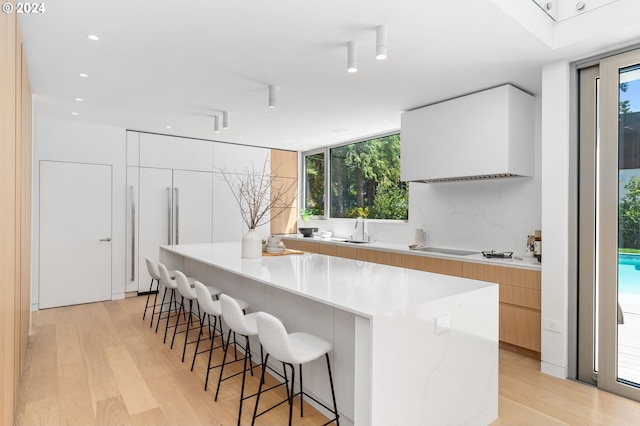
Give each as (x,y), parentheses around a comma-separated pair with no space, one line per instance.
(251,245)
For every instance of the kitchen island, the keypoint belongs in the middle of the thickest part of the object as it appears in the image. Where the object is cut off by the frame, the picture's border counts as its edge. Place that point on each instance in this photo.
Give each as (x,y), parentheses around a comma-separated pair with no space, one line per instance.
(409,347)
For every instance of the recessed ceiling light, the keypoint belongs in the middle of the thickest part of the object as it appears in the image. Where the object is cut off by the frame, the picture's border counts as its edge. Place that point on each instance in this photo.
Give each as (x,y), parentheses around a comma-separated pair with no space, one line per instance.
(74,113)
(240,137)
(84,75)
(93,37)
(168,127)
(79,99)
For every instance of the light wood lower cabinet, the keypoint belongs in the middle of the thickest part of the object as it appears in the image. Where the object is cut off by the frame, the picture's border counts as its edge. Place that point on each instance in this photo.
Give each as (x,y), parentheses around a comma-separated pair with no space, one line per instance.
(378,256)
(520,295)
(432,264)
(520,303)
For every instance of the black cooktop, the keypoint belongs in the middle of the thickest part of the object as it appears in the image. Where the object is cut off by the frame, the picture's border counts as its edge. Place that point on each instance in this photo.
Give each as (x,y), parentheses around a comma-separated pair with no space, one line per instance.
(497,254)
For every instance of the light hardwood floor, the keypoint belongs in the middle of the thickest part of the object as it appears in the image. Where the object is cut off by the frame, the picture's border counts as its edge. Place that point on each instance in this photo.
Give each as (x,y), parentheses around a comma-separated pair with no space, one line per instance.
(101,364)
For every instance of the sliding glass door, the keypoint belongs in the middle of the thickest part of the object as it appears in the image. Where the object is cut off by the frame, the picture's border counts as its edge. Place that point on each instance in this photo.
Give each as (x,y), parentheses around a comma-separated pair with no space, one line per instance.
(609,275)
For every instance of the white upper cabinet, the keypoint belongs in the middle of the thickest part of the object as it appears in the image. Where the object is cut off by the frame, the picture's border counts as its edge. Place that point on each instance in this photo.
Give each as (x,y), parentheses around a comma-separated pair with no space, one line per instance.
(238,157)
(489,134)
(133,148)
(170,152)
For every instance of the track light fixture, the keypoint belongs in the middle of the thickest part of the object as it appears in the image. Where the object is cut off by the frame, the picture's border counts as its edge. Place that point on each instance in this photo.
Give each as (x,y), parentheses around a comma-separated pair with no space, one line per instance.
(272,96)
(216,124)
(381,42)
(225,119)
(352,57)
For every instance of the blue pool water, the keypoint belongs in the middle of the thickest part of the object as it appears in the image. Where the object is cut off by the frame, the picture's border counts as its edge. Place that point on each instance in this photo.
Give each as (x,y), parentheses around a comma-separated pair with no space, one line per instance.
(629,273)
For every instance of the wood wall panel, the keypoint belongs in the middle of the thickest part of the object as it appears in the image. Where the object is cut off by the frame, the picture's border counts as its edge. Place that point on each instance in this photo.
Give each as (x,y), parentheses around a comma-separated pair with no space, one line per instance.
(285,165)
(15,214)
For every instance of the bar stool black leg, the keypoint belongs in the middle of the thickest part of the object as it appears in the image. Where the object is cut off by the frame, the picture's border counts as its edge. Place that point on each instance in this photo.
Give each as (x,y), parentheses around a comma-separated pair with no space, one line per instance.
(255,410)
(293,381)
(301,393)
(146,305)
(155,301)
(333,394)
(161,305)
(224,358)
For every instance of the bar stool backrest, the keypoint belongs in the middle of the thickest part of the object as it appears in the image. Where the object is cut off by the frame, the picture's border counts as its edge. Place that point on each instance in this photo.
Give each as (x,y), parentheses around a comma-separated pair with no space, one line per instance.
(274,338)
(183,286)
(165,278)
(234,317)
(152,268)
(205,300)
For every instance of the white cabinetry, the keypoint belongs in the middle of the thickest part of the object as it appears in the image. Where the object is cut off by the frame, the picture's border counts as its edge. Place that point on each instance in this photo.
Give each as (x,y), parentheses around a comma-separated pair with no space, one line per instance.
(174,196)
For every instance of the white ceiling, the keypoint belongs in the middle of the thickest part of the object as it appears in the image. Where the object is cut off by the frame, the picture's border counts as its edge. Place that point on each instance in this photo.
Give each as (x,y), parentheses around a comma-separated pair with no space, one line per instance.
(165,63)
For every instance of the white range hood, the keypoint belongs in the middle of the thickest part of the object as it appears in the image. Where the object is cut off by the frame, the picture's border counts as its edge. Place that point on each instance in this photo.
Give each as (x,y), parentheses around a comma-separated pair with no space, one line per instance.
(484,135)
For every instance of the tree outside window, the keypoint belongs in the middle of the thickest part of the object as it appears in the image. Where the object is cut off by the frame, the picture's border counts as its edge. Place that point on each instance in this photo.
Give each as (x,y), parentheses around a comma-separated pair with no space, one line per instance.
(365,180)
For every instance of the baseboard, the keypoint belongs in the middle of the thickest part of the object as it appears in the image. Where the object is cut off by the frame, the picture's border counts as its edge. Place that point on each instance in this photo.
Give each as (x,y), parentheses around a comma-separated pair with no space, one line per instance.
(553,370)
(520,350)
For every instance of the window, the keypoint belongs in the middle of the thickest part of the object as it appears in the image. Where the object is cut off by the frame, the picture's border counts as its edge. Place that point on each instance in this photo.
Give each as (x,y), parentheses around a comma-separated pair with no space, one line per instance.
(314,184)
(364,180)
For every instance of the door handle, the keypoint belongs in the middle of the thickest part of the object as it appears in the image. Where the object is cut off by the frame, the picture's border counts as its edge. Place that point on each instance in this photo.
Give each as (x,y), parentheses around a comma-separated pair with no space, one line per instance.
(169,216)
(105,239)
(133,235)
(177,214)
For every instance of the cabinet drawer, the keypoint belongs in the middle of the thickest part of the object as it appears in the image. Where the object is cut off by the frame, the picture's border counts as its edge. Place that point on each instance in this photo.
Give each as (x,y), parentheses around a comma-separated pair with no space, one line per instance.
(383,257)
(430,264)
(520,277)
(520,296)
(339,251)
(307,246)
(520,327)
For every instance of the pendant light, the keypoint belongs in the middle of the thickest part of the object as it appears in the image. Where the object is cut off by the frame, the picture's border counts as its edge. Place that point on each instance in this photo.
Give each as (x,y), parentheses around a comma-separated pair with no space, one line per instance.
(381,42)
(272,96)
(352,57)
(225,119)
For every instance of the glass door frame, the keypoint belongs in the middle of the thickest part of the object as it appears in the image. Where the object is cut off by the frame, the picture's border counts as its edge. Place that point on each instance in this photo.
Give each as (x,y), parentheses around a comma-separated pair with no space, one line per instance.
(608,220)
(598,225)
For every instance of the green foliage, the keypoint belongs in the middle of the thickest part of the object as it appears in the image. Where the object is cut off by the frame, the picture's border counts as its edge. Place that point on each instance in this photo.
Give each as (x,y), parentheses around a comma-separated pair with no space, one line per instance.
(305,214)
(314,169)
(629,215)
(365,180)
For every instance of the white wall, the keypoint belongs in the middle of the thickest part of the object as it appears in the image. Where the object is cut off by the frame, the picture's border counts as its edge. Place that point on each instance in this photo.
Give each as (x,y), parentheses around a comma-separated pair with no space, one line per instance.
(555,214)
(59,140)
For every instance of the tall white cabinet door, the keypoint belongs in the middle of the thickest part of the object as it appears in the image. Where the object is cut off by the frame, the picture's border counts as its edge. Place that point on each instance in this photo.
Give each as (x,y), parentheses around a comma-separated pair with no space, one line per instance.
(155,218)
(193,200)
(75,233)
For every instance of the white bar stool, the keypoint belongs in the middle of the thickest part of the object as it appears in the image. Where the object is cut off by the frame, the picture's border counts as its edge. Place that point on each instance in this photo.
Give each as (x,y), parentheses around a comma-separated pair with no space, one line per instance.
(169,285)
(242,324)
(210,308)
(189,293)
(291,349)
(155,276)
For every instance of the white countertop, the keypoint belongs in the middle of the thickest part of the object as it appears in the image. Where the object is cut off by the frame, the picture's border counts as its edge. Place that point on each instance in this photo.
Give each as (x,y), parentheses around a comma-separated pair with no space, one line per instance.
(363,288)
(526,263)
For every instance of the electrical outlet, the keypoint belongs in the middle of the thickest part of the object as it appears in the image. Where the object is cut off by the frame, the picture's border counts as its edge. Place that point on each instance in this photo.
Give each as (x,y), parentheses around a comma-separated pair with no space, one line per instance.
(552,325)
(443,323)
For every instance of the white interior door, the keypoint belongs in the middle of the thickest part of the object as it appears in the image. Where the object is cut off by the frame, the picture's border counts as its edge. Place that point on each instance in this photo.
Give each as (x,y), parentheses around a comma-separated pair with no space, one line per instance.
(75,233)
(155,218)
(193,200)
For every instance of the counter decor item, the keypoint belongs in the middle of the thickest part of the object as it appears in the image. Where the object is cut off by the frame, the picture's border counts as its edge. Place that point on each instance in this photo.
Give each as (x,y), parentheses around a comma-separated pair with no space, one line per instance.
(307,232)
(258,192)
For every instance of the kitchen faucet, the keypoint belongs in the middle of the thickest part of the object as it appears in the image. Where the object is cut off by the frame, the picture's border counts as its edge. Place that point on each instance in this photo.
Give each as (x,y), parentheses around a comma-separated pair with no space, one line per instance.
(360,220)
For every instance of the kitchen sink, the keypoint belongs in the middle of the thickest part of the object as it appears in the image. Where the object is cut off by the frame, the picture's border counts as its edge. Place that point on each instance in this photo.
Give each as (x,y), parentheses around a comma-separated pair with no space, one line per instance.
(447,251)
(357,241)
